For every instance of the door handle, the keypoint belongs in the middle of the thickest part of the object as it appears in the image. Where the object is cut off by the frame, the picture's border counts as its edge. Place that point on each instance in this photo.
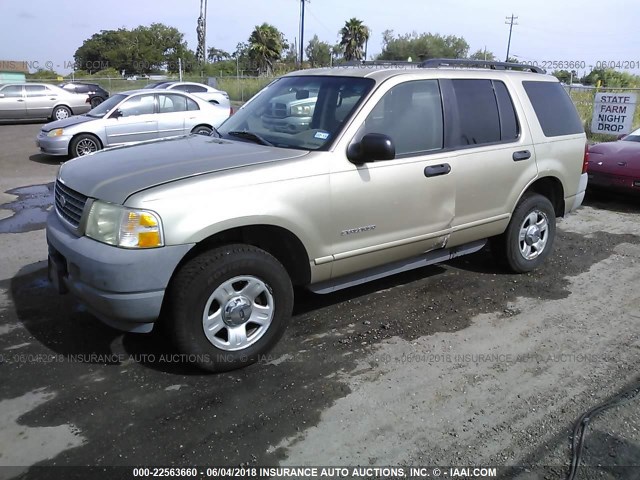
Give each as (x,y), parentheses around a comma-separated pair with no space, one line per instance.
(521,155)
(436,170)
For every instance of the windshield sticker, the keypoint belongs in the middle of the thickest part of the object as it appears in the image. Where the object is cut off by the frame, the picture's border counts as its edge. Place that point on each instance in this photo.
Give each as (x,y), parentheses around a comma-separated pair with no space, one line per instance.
(321,135)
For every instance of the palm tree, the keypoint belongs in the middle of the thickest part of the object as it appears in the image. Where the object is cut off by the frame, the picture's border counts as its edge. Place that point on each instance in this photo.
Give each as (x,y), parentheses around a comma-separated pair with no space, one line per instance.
(266,44)
(354,36)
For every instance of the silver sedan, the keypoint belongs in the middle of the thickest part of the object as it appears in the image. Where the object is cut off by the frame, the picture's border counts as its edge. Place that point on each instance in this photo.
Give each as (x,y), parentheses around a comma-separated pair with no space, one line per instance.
(25,101)
(129,117)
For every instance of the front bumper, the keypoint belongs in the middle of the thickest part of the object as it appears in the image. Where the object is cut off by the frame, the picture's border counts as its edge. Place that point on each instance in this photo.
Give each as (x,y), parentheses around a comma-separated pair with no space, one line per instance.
(53,145)
(122,287)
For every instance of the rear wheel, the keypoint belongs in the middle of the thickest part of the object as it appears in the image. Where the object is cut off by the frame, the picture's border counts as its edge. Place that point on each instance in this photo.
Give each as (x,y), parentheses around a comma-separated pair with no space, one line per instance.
(95,101)
(202,130)
(61,112)
(528,240)
(228,306)
(83,145)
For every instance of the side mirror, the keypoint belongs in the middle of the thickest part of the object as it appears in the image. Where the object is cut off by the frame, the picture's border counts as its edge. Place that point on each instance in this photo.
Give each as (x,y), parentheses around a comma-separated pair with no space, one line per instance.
(302,94)
(116,113)
(373,147)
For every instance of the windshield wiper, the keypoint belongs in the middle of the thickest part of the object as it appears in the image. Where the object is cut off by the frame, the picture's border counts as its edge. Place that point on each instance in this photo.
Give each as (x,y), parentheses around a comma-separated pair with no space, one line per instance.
(250,136)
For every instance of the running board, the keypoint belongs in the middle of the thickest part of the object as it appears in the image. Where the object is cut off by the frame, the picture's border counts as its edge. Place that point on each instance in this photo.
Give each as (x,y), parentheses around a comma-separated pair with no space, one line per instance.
(429,258)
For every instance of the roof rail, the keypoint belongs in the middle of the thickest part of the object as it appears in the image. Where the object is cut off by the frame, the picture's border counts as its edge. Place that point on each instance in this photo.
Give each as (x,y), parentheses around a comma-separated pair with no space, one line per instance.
(464,62)
(378,63)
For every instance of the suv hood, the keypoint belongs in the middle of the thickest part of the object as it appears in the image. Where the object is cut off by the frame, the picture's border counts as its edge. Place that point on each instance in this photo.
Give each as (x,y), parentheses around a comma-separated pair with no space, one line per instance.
(115,174)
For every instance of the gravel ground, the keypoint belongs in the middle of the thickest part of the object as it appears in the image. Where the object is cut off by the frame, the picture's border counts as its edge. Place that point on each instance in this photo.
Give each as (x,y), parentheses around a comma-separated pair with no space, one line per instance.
(455,364)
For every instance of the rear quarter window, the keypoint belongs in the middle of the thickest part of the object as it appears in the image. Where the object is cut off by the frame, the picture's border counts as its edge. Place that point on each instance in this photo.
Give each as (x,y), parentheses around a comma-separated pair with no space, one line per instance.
(555,110)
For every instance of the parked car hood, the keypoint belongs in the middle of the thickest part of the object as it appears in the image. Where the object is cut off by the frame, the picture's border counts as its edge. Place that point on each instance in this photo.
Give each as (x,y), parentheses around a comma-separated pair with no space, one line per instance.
(67,122)
(115,174)
(619,158)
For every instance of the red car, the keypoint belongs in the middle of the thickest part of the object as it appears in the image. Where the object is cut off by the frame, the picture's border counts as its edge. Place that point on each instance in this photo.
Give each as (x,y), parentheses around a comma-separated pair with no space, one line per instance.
(616,165)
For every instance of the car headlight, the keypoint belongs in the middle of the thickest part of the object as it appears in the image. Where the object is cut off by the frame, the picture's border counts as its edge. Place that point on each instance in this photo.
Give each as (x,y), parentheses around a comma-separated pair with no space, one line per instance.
(124,227)
(55,133)
(301,111)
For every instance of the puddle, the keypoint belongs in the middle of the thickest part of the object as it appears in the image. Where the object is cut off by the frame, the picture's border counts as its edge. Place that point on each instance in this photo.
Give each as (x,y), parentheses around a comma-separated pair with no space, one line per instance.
(30,209)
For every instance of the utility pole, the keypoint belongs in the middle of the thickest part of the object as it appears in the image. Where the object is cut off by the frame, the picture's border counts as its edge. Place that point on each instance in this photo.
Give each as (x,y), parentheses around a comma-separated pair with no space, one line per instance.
(302,2)
(511,22)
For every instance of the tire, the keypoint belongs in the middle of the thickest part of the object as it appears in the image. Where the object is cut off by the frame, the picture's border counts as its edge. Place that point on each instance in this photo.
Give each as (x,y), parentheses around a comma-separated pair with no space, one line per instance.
(224,291)
(95,101)
(60,113)
(84,144)
(202,130)
(529,237)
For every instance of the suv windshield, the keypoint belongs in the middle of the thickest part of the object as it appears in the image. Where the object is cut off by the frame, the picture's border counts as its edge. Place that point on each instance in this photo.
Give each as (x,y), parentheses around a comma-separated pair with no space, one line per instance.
(304,112)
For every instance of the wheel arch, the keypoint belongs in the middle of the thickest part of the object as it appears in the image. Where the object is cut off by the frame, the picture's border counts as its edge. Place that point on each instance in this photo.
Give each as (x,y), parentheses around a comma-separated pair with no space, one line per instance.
(284,245)
(202,125)
(83,133)
(552,189)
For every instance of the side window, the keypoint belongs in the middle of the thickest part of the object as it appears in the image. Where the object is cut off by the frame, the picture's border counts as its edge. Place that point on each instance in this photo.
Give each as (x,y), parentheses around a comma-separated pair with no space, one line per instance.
(509,128)
(82,88)
(411,114)
(12,91)
(138,105)
(181,88)
(170,103)
(36,91)
(195,89)
(555,110)
(192,105)
(477,112)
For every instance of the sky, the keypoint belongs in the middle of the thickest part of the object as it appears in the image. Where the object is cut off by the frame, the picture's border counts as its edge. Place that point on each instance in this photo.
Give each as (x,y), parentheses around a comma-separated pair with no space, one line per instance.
(49,32)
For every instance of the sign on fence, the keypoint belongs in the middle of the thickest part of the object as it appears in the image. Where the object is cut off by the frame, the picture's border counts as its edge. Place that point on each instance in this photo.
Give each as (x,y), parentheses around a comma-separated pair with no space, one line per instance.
(613,113)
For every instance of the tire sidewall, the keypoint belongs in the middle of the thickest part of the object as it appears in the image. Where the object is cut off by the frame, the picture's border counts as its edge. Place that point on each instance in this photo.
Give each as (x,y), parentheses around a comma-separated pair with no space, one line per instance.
(198,130)
(514,256)
(188,317)
(54,115)
(75,141)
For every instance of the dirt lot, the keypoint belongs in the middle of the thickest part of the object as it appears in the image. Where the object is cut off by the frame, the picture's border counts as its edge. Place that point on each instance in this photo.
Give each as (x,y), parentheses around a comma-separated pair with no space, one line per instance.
(456,364)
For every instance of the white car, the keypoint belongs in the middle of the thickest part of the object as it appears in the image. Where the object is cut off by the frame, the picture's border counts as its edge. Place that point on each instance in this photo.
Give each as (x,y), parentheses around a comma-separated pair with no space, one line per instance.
(201,90)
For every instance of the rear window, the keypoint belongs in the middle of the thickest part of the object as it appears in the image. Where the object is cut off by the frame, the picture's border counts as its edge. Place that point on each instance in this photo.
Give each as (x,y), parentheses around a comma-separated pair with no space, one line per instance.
(555,110)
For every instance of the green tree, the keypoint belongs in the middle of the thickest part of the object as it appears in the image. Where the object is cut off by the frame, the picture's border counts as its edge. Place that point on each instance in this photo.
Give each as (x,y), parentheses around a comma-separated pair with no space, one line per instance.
(422,46)
(353,37)
(266,44)
(217,55)
(318,52)
(481,54)
(611,78)
(43,74)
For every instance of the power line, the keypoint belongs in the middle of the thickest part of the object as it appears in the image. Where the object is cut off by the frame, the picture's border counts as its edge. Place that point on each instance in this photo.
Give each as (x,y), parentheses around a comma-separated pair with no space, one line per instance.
(511,22)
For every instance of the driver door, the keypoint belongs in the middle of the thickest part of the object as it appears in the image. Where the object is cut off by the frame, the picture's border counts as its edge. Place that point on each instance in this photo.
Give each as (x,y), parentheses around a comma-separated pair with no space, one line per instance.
(384,211)
(135,121)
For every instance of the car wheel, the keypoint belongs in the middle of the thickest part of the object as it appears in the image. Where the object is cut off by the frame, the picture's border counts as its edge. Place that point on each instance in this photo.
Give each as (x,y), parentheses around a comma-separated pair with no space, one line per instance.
(202,130)
(528,240)
(83,145)
(95,101)
(60,113)
(228,306)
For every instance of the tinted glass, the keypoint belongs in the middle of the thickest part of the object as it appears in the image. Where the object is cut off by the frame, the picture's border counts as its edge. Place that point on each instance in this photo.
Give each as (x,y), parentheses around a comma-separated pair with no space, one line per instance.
(191,105)
(508,122)
(411,114)
(478,112)
(555,110)
(195,89)
(170,103)
(12,91)
(83,88)
(36,90)
(138,105)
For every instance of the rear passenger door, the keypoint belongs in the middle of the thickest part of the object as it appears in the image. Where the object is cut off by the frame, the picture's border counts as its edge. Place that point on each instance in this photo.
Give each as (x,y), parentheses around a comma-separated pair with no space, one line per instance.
(172,114)
(494,156)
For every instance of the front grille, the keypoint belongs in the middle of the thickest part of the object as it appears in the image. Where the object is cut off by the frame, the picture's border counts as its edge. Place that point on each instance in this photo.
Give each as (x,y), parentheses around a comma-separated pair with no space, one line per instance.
(279,110)
(69,204)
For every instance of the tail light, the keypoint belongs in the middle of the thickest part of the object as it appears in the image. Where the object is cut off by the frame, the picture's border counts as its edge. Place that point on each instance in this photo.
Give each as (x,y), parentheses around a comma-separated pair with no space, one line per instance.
(585,160)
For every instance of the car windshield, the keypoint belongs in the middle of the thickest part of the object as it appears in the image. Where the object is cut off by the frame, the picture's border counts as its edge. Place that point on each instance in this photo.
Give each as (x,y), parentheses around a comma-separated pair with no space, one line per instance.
(106,106)
(633,136)
(301,112)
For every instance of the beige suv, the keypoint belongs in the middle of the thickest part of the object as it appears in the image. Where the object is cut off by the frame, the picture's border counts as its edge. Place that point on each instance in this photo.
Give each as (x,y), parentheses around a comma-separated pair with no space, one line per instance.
(391,169)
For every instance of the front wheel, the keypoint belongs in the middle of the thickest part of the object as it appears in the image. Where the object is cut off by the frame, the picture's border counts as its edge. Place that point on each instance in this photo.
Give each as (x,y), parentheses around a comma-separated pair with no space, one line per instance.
(60,113)
(528,240)
(228,306)
(84,145)
(202,130)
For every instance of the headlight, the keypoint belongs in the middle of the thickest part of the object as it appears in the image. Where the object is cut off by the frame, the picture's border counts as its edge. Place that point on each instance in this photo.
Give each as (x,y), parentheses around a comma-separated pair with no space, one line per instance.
(124,227)
(301,111)
(55,133)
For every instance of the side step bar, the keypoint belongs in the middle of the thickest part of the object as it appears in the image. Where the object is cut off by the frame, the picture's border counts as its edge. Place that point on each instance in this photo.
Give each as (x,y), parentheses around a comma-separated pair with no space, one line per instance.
(429,258)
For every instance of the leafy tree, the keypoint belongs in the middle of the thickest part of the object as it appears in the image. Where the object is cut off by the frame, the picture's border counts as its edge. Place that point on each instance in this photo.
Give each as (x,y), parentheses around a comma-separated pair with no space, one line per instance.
(422,46)
(318,53)
(611,78)
(144,49)
(217,55)
(43,74)
(266,44)
(566,76)
(481,54)
(353,37)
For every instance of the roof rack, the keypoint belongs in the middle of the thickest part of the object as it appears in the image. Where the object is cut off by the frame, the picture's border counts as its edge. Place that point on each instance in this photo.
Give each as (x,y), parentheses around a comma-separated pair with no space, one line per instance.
(463,62)
(378,63)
